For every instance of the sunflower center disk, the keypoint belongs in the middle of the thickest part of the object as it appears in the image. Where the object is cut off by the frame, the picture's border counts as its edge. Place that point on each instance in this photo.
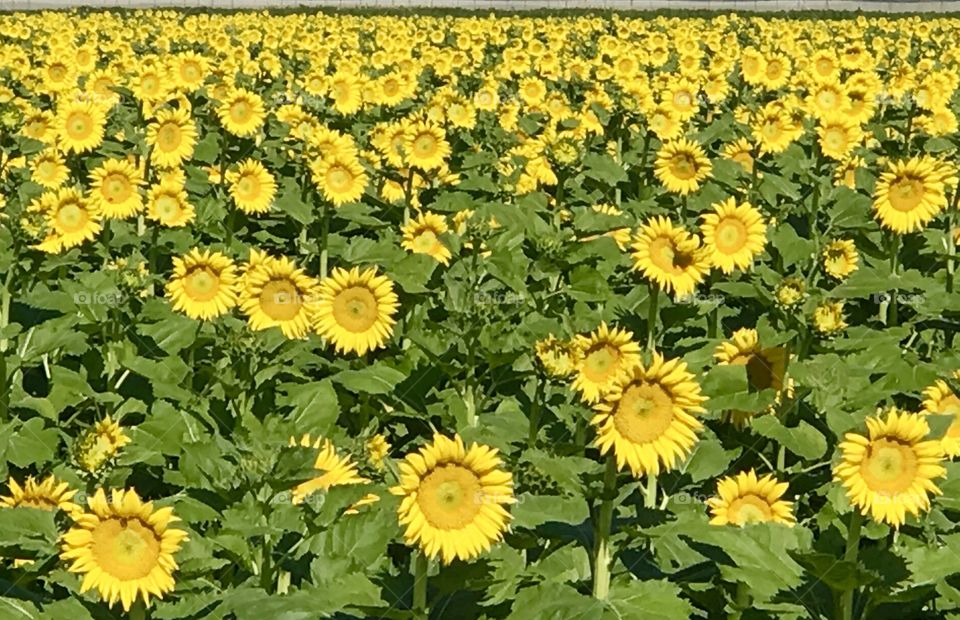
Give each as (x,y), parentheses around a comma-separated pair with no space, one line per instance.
(684,167)
(71,217)
(905,194)
(450,497)
(116,188)
(748,509)
(167,207)
(79,126)
(339,179)
(425,241)
(202,285)
(168,138)
(889,467)
(644,413)
(355,309)
(731,236)
(248,187)
(601,363)
(125,548)
(240,112)
(425,145)
(280,300)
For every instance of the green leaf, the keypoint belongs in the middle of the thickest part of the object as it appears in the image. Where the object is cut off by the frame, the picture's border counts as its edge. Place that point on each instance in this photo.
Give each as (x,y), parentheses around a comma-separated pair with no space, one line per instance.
(314,406)
(535,510)
(803,440)
(603,168)
(377,378)
(32,444)
(647,600)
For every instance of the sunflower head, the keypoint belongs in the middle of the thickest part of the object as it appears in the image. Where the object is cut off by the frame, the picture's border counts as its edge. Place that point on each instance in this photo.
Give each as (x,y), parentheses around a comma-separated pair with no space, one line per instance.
(647,416)
(682,166)
(422,236)
(670,256)
(204,284)
(355,309)
(890,471)
(744,499)
(604,355)
(910,194)
(50,494)
(453,498)
(123,548)
(559,357)
(99,444)
(334,470)
(734,235)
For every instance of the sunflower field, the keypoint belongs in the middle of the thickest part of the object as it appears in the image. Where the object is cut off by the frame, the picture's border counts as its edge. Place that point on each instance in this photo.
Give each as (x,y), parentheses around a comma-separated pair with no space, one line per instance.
(413,316)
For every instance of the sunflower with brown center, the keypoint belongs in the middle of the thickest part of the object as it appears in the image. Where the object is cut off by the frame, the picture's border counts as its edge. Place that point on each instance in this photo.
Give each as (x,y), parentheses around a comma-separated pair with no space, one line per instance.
(840,258)
(252,187)
(204,284)
(115,189)
(682,166)
(453,498)
(172,137)
(766,367)
(890,472)
(422,236)
(355,309)
(51,494)
(734,234)
(277,293)
(744,499)
(670,256)
(123,548)
(909,194)
(604,356)
(71,219)
(940,399)
(646,417)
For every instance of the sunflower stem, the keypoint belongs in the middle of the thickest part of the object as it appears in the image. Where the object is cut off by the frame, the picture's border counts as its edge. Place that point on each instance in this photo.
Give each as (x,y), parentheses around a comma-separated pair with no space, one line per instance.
(741,601)
(601,550)
(650,493)
(652,317)
(850,555)
(894,267)
(324,233)
(951,244)
(420,568)
(139,611)
(536,409)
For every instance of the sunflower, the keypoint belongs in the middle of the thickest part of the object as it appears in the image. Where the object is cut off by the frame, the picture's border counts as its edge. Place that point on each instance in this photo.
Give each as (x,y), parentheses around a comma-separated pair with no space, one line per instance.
(790,291)
(559,357)
(114,189)
(744,499)
(682,166)
(167,203)
(80,126)
(646,417)
(252,187)
(909,194)
(123,548)
(377,450)
(204,284)
(172,137)
(734,234)
(740,151)
(335,470)
(889,472)
(838,136)
(355,310)
(242,112)
(840,258)
(940,399)
(603,357)
(51,494)
(422,236)
(766,368)
(828,318)
(425,146)
(670,256)
(189,71)
(48,169)
(453,498)
(341,178)
(99,444)
(71,219)
(276,293)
